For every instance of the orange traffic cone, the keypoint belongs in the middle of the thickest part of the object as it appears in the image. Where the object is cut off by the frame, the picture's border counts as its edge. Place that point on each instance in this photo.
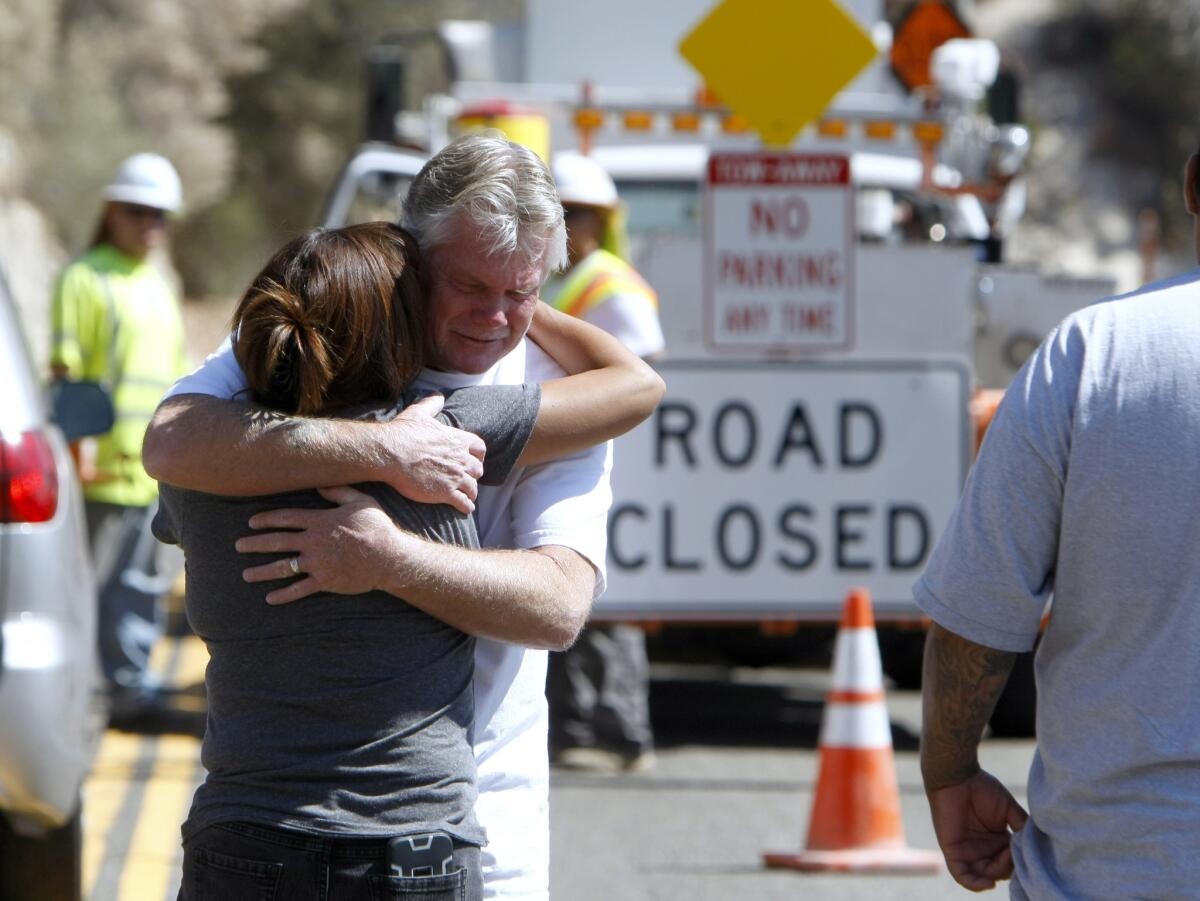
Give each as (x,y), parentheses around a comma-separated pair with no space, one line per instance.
(855,824)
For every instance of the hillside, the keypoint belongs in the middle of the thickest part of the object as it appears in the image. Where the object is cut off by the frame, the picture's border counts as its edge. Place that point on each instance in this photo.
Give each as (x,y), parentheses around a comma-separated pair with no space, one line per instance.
(1105,148)
(1104,82)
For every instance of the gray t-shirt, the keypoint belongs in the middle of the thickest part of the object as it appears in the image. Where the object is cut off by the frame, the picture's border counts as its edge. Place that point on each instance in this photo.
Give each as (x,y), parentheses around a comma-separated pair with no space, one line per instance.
(337,714)
(1088,485)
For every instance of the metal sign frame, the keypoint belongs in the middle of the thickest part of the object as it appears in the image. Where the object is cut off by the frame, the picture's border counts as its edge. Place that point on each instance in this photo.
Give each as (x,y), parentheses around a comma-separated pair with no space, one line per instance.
(653,603)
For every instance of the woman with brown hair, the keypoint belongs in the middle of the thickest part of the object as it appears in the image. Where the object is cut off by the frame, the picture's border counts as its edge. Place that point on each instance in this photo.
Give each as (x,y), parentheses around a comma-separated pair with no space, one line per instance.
(338,746)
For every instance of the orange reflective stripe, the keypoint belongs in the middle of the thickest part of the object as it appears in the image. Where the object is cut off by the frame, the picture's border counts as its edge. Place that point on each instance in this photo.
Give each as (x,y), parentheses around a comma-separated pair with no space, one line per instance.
(633,276)
(604,286)
(599,276)
(576,281)
(853,697)
(577,305)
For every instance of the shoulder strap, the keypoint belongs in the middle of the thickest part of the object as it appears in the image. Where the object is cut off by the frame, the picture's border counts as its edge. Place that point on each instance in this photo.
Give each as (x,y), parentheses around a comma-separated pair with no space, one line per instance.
(573,283)
(600,276)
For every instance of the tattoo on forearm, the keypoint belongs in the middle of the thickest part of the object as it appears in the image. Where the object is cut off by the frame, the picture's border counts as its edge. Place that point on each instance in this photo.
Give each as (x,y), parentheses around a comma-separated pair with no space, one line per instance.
(299,434)
(262,417)
(303,434)
(962,681)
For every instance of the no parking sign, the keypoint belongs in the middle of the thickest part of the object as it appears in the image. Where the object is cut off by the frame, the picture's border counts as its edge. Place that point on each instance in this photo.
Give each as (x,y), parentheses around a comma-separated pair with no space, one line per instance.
(778,252)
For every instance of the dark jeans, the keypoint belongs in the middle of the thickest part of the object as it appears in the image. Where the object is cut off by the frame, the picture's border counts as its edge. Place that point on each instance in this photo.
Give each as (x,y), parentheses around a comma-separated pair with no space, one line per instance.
(599,692)
(249,862)
(127,560)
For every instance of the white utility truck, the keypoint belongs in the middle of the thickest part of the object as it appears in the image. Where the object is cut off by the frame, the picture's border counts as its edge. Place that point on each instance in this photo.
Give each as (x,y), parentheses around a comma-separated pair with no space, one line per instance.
(832,305)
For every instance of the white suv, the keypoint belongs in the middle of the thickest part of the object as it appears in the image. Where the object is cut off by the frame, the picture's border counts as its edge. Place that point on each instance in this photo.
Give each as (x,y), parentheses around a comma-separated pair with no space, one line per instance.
(48,670)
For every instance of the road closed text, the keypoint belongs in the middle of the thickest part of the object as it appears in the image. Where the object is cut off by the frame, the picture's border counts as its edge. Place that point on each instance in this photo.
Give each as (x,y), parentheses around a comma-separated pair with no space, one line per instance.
(791,534)
(789,537)
(778,485)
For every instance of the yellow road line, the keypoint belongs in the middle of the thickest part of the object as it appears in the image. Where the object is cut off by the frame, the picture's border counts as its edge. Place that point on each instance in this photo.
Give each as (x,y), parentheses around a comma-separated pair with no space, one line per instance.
(160,656)
(154,860)
(103,792)
(139,791)
(193,659)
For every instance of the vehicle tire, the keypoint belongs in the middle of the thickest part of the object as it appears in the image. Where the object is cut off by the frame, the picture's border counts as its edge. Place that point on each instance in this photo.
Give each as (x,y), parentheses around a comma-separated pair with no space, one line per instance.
(1016,711)
(48,868)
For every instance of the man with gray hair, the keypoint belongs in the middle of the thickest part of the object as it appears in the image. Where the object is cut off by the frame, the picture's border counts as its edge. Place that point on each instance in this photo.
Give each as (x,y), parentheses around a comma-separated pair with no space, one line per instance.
(487,217)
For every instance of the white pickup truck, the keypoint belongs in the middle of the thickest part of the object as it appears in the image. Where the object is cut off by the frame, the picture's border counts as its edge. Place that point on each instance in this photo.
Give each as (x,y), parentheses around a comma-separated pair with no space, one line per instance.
(832,311)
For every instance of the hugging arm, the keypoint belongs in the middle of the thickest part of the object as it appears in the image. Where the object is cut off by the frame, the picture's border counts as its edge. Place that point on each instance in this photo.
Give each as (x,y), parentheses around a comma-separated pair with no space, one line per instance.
(231,448)
(607,390)
(537,598)
(974,816)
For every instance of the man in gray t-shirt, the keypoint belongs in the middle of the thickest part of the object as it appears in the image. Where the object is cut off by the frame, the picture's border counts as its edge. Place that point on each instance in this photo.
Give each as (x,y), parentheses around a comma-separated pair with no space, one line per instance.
(1087,486)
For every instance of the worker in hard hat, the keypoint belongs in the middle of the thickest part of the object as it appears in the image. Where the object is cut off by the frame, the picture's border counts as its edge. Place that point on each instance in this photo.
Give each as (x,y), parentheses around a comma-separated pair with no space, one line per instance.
(116,321)
(599,688)
(600,286)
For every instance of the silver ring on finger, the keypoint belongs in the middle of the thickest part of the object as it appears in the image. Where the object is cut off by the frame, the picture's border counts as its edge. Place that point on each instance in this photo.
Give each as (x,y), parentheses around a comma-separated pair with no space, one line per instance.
(294,565)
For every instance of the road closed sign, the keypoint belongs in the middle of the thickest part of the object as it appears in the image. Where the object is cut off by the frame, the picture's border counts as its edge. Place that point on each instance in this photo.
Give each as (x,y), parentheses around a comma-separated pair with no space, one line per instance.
(779,239)
(771,489)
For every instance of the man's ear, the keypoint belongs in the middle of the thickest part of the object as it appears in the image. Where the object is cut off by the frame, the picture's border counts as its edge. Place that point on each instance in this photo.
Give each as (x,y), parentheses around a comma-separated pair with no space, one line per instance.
(1191,185)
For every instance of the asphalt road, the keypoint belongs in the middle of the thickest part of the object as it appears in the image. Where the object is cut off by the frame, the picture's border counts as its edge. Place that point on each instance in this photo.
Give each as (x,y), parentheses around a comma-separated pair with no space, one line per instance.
(736,769)
(737,763)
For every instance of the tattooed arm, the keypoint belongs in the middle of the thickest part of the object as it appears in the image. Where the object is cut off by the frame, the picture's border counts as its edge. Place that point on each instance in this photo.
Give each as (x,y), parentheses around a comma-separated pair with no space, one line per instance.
(962,682)
(972,812)
(226,447)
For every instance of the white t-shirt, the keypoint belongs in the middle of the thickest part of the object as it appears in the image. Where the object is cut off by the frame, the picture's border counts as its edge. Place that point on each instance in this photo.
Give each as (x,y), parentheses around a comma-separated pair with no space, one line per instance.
(561,503)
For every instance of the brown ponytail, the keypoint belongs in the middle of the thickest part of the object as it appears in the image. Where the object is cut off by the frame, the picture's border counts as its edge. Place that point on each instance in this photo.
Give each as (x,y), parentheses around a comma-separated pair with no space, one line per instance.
(335,318)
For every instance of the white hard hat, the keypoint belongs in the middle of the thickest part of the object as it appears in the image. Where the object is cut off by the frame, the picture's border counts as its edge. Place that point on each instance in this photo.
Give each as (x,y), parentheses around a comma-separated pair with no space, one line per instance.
(147,179)
(580,179)
(965,67)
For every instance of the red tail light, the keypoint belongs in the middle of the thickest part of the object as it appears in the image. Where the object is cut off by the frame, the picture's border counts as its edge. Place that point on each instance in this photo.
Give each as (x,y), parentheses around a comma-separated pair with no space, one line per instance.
(28,478)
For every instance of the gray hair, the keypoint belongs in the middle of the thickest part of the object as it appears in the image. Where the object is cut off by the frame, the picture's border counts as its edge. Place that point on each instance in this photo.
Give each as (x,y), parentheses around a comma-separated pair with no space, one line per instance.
(503,188)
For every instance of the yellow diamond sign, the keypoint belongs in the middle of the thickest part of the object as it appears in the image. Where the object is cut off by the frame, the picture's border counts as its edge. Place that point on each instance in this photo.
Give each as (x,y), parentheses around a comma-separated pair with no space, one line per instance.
(778,63)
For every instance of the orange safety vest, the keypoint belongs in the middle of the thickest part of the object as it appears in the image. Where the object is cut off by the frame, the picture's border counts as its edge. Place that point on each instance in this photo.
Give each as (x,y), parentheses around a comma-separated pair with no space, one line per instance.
(596,278)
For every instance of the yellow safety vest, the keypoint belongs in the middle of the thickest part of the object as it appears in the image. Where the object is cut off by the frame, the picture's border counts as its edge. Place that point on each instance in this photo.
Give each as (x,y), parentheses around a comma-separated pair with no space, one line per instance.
(116,321)
(594,279)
